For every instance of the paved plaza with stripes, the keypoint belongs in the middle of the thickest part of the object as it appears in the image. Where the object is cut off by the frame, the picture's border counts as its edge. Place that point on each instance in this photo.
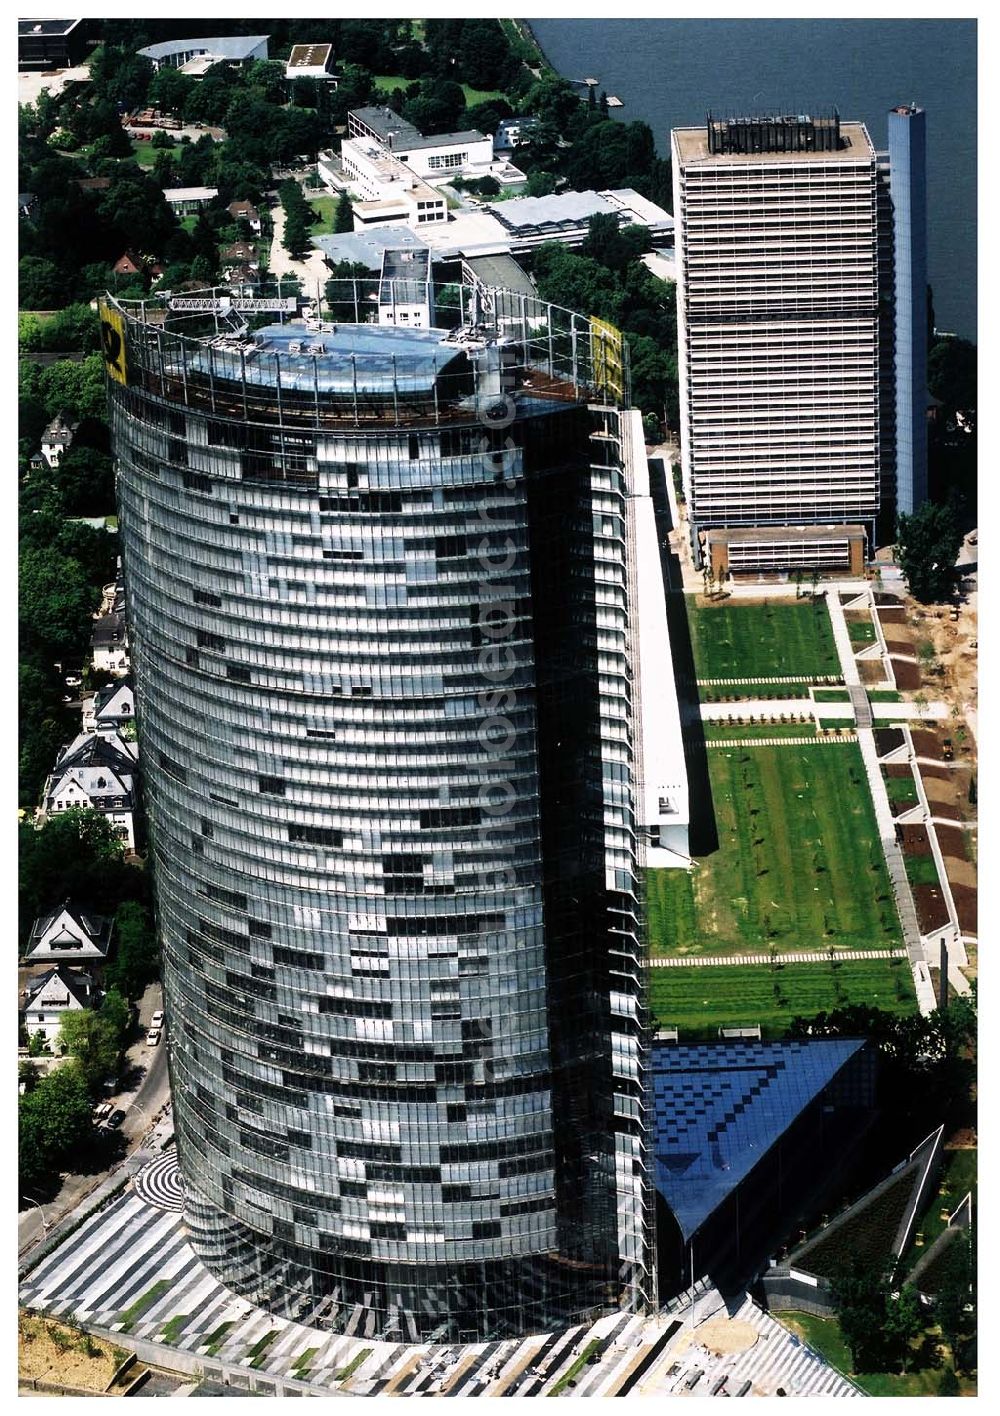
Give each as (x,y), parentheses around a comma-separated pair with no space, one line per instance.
(129,1272)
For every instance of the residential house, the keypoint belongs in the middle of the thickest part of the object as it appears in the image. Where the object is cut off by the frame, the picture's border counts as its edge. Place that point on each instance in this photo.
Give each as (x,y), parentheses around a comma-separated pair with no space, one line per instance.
(53,994)
(109,644)
(110,710)
(58,439)
(240,253)
(69,934)
(97,771)
(247,212)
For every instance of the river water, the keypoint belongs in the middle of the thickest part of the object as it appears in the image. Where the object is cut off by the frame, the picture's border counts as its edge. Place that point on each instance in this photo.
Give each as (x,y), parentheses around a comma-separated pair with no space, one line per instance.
(669,72)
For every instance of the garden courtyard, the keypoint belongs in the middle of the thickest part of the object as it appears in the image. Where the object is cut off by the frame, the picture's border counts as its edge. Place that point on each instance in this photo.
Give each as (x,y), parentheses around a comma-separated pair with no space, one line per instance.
(743,640)
(799,865)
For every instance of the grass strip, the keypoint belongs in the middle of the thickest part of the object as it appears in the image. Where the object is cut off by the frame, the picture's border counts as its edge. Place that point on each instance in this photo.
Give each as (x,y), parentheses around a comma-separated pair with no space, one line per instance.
(131,1315)
(700,1000)
(302,1363)
(216,1339)
(258,1352)
(921,870)
(171,1330)
(570,1373)
(353,1365)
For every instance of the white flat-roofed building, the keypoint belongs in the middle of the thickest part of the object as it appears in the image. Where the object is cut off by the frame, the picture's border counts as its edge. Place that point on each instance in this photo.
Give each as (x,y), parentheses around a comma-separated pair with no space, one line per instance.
(186,201)
(311,61)
(435,158)
(404,293)
(663,795)
(778,308)
(388,189)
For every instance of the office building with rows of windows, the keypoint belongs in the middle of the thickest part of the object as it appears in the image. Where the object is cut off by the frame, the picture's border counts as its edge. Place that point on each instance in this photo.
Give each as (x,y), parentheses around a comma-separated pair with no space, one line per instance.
(778,332)
(380,607)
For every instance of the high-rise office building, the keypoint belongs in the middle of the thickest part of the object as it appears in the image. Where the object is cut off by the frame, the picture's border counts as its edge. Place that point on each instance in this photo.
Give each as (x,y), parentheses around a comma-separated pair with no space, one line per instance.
(778,327)
(907,303)
(381,609)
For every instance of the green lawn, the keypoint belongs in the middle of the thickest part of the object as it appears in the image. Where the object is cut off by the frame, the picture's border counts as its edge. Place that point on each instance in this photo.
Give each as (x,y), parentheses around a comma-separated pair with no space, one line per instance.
(921,870)
(885,695)
(901,790)
(735,640)
(861,631)
(831,695)
(388,82)
(731,732)
(799,865)
(824,1336)
(324,207)
(700,1000)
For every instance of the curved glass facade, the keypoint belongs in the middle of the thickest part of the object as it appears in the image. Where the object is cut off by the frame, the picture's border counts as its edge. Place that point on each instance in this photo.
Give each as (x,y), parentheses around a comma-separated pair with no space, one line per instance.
(379,609)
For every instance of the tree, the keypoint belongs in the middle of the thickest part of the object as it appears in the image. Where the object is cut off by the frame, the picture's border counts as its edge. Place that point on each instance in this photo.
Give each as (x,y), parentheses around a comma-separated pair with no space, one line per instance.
(73,855)
(55,604)
(861,1297)
(952,372)
(541,183)
(902,1325)
(343,218)
(136,958)
(928,542)
(54,1120)
(85,479)
(41,284)
(92,1041)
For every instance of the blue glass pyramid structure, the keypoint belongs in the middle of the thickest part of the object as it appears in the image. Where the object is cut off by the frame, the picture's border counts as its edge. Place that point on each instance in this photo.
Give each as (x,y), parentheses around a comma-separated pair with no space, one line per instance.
(718,1109)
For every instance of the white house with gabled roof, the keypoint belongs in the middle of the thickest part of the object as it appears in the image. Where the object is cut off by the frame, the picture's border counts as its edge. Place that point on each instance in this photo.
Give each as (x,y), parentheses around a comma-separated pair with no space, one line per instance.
(69,935)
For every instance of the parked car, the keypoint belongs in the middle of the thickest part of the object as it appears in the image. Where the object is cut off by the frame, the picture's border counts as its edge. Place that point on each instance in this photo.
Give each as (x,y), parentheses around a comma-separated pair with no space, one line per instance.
(116,1118)
(947,751)
(156,1021)
(152,1037)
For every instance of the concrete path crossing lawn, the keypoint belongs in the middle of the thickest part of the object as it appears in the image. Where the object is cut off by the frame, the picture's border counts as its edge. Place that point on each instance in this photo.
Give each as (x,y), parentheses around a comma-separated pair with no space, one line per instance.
(826,957)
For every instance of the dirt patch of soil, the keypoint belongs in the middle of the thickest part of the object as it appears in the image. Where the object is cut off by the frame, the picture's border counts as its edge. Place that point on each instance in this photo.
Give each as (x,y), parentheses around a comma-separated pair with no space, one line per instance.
(967,907)
(890,614)
(898,645)
(907,675)
(887,740)
(915,840)
(932,912)
(882,597)
(726,1335)
(872,673)
(961,872)
(47,1351)
(897,769)
(953,843)
(926,743)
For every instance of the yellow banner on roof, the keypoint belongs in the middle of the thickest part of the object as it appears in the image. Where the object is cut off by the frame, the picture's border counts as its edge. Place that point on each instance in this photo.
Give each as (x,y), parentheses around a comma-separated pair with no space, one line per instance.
(113,342)
(607,358)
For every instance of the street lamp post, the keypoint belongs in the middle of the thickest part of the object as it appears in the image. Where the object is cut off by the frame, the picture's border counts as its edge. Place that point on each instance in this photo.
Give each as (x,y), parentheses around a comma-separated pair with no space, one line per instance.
(45,1223)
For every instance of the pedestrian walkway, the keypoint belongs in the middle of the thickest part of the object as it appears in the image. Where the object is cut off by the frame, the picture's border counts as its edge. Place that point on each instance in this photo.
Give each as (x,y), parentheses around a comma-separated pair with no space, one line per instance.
(780,741)
(824,681)
(825,956)
(130,1274)
(841,637)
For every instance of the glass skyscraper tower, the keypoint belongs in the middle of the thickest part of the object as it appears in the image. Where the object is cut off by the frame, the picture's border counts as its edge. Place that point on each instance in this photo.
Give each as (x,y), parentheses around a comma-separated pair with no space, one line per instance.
(381,610)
